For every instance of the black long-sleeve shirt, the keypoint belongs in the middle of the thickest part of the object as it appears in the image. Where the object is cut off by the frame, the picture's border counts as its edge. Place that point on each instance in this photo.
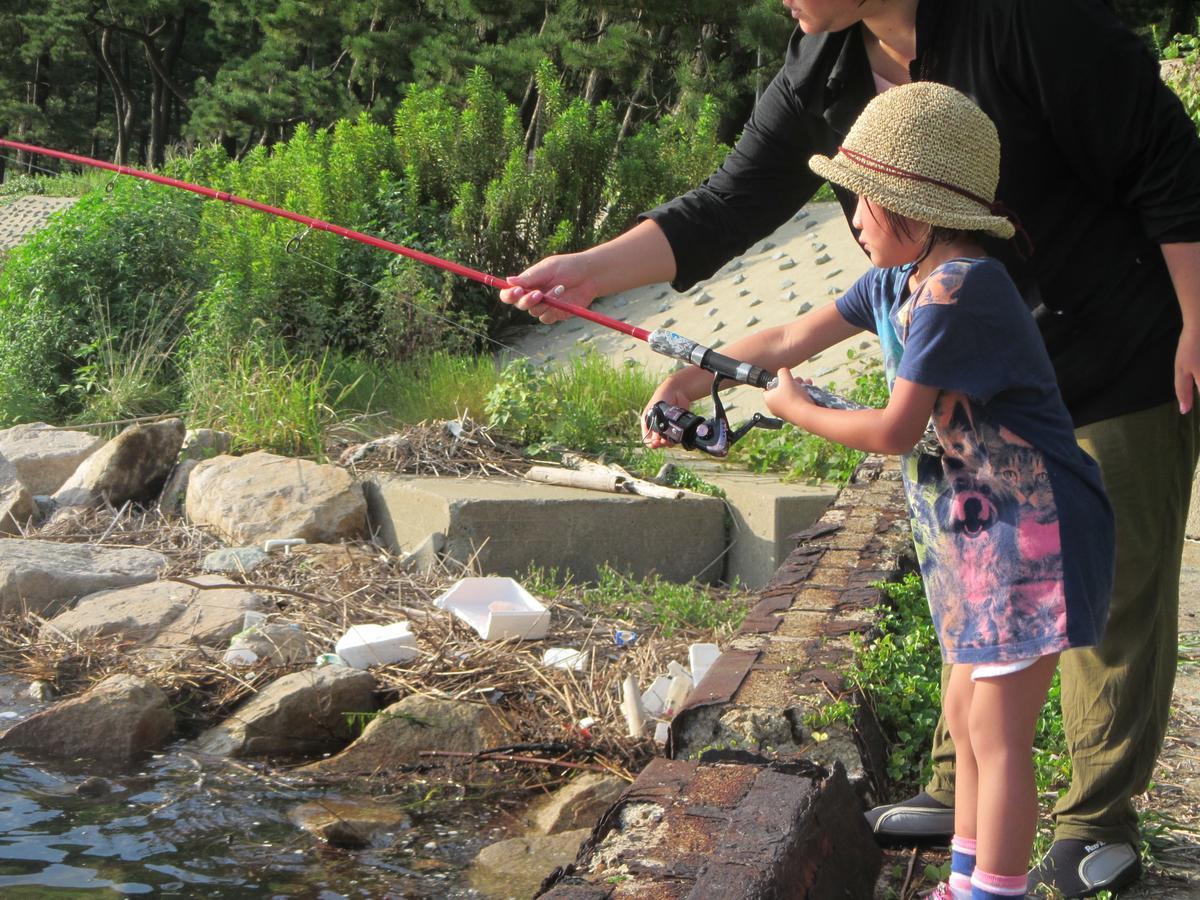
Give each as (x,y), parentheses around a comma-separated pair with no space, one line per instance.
(1098,159)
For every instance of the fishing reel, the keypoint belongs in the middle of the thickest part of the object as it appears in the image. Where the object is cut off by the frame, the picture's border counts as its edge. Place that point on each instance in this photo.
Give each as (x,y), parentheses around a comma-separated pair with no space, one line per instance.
(692,432)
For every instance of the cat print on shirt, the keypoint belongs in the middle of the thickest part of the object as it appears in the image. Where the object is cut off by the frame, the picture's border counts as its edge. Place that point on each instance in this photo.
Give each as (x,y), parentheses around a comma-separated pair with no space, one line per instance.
(988,538)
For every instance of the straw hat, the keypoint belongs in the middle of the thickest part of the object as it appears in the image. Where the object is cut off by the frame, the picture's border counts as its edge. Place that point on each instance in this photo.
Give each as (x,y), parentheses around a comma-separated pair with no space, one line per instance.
(925,151)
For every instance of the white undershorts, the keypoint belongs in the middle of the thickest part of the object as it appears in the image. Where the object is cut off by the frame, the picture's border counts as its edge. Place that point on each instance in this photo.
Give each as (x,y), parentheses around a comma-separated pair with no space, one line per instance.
(995,670)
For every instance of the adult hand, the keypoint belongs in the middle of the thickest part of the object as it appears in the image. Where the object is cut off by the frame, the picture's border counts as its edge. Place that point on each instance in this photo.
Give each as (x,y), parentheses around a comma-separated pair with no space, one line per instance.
(787,396)
(570,271)
(674,396)
(1187,368)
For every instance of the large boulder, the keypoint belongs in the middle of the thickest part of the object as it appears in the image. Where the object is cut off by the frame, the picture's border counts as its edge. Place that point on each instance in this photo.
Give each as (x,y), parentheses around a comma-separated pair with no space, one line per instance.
(45,456)
(302,714)
(252,498)
(401,733)
(42,575)
(132,466)
(159,614)
(117,721)
(16,502)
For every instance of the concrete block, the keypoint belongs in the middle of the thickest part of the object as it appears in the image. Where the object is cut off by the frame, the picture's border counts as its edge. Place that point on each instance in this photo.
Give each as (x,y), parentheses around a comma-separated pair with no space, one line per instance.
(713,831)
(508,524)
(765,511)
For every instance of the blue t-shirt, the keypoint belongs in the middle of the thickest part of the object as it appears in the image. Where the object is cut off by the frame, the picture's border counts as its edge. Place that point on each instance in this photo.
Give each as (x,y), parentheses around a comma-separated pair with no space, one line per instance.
(1013,531)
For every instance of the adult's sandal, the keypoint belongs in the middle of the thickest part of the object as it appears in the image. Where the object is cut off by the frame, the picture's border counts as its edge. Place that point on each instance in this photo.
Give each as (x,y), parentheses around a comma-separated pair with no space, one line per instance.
(917,820)
(1082,869)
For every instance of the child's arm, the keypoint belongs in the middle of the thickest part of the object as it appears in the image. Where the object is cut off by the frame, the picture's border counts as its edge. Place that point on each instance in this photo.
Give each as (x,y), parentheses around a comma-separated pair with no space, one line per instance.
(772,348)
(893,430)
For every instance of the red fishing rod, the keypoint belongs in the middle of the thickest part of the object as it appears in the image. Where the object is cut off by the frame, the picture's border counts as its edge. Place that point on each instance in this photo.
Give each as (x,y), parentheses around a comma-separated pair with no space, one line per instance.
(712,436)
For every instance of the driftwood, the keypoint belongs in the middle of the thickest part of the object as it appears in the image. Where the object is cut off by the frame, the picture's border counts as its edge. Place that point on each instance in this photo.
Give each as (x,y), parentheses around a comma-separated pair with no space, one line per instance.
(582,473)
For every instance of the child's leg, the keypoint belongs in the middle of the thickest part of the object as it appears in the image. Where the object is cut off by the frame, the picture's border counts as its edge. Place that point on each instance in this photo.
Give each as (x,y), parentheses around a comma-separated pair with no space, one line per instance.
(1003,717)
(956,708)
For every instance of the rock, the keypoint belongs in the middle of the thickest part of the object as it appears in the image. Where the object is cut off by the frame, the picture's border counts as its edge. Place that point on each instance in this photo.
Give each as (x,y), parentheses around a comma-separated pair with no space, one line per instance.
(277,644)
(16,502)
(823,258)
(702,299)
(93,787)
(204,443)
(804,307)
(45,456)
(351,823)
(576,805)
(787,264)
(39,575)
(170,500)
(248,499)
(752,321)
(767,245)
(517,867)
(398,735)
(158,614)
(301,714)
(234,560)
(132,466)
(667,322)
(117,720)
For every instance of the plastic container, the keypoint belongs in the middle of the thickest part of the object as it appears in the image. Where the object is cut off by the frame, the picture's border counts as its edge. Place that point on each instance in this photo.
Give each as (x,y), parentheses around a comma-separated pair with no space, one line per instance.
(701,658)
(497,608)
(377,645)
(565,658)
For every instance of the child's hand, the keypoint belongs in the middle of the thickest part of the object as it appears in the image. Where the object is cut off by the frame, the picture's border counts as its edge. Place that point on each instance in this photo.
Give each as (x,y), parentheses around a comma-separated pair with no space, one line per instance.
(788,396)
(674,397)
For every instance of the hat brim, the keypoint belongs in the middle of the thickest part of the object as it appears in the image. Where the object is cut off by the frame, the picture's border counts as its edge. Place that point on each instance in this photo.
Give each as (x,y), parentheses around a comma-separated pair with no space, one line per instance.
(888,191)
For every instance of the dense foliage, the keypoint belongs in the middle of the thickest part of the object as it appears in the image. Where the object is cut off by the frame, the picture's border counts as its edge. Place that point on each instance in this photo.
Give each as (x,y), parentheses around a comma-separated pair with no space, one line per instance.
(128,79)
(450,176)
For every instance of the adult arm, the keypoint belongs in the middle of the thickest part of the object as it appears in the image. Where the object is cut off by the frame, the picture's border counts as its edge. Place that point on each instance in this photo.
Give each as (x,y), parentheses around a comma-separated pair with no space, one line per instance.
(639,256)
(1183,261)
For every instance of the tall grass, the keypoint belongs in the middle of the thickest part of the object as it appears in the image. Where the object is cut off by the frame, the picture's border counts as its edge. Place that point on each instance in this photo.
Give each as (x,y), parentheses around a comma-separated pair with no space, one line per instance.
(439,385)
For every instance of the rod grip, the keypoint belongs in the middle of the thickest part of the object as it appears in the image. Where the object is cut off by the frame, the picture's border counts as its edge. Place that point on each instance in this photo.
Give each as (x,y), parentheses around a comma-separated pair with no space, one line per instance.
(728,367)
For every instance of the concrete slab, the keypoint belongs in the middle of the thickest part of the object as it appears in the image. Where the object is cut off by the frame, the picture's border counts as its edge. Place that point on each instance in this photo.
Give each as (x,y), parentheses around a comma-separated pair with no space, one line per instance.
(508,524)
(765,511)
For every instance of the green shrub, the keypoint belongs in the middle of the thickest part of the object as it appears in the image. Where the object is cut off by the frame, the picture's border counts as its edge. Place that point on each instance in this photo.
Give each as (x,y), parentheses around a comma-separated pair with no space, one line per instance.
(590,406)
(130,252)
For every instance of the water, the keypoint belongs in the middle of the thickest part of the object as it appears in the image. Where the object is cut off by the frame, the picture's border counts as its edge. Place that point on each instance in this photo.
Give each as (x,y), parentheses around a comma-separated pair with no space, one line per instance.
(175,827)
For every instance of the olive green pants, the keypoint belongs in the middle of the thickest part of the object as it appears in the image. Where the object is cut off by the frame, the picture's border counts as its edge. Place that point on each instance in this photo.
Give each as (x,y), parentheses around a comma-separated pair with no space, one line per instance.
(1116,697)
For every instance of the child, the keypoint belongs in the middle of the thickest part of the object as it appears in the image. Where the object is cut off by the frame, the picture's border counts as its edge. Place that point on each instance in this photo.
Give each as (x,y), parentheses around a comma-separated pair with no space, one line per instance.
(1013,531)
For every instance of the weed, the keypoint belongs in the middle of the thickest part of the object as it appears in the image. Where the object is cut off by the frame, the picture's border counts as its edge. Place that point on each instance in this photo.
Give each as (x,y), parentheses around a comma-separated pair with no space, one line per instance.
(652,601)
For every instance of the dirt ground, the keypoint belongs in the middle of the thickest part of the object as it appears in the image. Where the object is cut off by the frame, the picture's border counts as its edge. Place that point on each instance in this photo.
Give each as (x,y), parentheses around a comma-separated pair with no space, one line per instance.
(1170,809)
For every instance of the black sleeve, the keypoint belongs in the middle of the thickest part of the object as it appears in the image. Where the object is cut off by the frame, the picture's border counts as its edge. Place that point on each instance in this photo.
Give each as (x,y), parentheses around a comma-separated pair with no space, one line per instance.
(763,180)
(1099,90)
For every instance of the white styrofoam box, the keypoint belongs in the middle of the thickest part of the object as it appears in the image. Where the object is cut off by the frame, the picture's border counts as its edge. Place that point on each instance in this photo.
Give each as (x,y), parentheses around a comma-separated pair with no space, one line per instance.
(654,698)
(377,645)
(700,658)
(498,608)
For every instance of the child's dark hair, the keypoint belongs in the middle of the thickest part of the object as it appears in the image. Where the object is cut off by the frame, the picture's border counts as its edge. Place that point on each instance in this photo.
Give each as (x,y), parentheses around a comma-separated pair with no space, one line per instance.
(902,225)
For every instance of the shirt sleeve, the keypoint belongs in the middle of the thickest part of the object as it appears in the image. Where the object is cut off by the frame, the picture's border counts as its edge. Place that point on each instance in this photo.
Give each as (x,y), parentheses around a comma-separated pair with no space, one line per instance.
(1098,87)
(763,180)
(855,305)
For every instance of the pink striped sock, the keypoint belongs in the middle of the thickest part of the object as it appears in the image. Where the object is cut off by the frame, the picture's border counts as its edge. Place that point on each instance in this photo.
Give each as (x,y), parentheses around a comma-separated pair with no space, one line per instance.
(987,885)
(963,844)
(960,886)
